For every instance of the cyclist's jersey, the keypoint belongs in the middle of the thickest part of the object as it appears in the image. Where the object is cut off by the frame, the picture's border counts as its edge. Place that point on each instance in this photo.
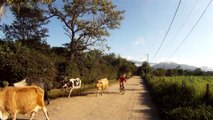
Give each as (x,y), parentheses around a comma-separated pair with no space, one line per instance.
(122,79)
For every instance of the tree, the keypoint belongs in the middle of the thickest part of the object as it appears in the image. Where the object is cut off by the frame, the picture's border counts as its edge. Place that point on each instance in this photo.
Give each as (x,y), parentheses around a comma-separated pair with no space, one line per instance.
(144,69)
(18,4)
(87,22)
(160,72)
(28,26)
(198,72)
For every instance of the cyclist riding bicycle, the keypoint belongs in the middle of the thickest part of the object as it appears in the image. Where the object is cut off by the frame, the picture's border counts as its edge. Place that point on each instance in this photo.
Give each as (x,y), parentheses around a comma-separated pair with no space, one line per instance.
(122,79)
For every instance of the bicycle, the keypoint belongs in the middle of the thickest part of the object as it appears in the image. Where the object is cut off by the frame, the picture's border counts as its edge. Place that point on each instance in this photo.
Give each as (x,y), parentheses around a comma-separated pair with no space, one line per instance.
(122,89)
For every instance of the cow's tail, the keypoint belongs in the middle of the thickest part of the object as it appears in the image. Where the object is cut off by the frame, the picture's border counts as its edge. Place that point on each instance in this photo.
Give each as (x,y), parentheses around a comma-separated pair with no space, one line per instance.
(46,98)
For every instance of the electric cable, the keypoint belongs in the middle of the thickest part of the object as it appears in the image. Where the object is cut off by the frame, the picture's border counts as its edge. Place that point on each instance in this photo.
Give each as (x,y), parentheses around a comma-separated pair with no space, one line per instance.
(167,29)
(191,30)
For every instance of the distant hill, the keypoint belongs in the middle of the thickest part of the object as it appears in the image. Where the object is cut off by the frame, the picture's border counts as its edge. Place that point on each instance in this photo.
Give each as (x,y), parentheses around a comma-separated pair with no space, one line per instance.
(207,69)
(172,65)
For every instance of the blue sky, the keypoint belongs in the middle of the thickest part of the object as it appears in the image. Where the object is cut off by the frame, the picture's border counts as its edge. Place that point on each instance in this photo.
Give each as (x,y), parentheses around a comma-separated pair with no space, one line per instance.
(146,23)
(144,26)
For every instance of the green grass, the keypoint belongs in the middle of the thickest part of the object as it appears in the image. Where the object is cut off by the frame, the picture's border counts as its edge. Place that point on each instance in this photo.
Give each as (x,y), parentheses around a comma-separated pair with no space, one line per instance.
(56,93)
(183,98)
(64,92)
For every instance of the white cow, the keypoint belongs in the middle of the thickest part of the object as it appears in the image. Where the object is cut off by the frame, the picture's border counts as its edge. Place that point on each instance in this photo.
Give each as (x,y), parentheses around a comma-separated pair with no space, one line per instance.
(72,84)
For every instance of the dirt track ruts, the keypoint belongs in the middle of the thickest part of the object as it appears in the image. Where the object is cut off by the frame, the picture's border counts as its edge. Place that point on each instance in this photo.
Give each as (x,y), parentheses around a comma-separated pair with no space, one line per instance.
(135,104)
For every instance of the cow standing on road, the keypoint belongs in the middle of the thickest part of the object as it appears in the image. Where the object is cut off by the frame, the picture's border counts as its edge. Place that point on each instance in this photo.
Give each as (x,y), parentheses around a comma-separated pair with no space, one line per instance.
(102,85)
(27,99)
(34,81)
(72,84)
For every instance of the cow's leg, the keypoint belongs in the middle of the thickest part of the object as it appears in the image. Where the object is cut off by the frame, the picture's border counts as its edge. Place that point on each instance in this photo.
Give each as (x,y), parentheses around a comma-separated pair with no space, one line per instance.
(97,93)
(101,92)
(1,115)
(70,92)
(13,115)
(32,114)
(45,113)
(44,109)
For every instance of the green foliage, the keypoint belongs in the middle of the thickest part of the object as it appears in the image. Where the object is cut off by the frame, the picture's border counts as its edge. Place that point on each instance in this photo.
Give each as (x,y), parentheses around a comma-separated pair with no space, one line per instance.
(159,72)
(27,27)
(55,93)
(19,3)
(24,52)
(87,22)
(202,112)
(144,70)
(94,65)
(5,83)
(180,72)
(182,98)
(18,61)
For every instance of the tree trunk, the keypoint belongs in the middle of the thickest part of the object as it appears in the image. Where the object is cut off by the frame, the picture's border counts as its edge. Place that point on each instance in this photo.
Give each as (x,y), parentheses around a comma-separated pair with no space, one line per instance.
(1,9)
(72,56)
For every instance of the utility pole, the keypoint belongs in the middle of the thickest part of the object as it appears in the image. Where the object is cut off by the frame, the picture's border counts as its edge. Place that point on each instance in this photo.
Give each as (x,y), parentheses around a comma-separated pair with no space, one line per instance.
(147,57)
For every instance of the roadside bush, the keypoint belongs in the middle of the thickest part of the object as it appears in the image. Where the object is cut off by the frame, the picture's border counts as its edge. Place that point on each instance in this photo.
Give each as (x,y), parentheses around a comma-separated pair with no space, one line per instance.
(202,112)
(181,98)
(18,61)
(55,93)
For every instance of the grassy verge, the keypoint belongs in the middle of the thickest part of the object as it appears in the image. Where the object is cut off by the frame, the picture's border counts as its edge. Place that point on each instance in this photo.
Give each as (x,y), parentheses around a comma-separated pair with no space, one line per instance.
(183,98)
(56,93)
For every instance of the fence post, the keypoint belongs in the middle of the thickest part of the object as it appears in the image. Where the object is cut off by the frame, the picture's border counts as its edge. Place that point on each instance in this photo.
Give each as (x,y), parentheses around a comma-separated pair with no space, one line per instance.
(207,95)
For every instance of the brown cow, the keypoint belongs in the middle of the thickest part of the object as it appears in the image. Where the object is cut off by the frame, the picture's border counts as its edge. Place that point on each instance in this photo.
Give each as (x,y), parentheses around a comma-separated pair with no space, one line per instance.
(34,81)
(28,99)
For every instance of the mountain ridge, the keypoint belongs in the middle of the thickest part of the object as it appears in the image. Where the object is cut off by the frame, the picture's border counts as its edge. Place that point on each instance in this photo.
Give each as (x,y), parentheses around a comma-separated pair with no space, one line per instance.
(173,65)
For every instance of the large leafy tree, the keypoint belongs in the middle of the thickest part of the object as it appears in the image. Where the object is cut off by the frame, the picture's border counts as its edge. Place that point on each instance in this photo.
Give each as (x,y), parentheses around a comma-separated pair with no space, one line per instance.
(28,25)
(18,4)
(144,69)
(87,22)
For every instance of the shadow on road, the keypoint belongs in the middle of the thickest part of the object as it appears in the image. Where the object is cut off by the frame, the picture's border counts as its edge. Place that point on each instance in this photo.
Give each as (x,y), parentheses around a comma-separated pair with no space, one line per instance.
(19,119)
(146,101)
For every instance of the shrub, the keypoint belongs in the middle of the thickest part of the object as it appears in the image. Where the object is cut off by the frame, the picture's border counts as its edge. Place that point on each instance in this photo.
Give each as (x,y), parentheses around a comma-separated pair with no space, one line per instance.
(182,98)
(202,112)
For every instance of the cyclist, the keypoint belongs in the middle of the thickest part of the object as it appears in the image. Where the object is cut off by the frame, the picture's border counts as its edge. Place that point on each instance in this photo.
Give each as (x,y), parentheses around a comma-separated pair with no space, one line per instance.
(122,79)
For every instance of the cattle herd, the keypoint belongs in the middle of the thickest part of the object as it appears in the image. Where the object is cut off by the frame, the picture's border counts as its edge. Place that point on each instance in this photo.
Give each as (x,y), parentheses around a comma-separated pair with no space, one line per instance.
(34,93)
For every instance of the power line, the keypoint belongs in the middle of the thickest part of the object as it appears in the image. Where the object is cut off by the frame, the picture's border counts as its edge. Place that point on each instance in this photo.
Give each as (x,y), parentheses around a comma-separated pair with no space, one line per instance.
(190,30)
(167,30)
(189,14)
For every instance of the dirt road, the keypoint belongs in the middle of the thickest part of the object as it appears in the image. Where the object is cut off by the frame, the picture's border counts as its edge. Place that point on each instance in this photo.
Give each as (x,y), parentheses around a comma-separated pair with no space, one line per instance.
(135,104)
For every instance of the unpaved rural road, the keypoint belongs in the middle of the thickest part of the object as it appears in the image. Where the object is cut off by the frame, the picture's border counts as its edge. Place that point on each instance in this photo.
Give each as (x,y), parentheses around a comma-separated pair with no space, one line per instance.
(135,104)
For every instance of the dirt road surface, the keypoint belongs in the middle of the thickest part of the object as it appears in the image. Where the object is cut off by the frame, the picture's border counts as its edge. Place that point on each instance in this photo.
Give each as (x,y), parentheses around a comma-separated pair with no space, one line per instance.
(135,104)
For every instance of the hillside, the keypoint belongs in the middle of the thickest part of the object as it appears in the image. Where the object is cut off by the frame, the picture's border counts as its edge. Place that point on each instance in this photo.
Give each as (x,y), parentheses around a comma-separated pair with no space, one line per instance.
(172,65)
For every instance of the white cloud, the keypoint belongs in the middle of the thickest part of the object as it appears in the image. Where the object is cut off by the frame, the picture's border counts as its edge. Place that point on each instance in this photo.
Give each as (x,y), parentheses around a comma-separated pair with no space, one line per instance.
(139,41)
(128,57)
